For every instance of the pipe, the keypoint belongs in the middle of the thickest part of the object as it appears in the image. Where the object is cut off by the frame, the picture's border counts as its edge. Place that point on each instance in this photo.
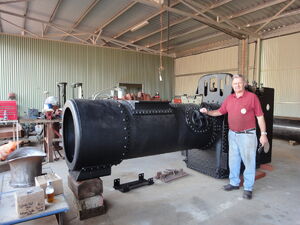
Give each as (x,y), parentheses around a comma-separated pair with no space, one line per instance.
(288,129)
(258,62)
(61,93)
(100,133)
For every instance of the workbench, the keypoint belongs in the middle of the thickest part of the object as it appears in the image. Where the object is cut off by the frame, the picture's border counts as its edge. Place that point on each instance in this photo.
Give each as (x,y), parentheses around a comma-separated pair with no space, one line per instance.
(49,134)
(8,213)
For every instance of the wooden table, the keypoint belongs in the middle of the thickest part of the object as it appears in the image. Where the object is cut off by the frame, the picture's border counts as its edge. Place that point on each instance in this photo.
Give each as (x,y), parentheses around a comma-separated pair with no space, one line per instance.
(49,134)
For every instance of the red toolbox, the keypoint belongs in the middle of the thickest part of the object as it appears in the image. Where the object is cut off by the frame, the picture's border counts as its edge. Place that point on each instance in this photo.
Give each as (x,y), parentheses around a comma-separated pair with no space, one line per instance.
(8,110)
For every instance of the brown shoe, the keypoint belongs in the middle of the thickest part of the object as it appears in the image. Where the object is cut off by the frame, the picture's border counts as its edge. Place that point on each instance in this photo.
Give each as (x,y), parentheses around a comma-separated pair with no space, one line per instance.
(230,187)
(247,195)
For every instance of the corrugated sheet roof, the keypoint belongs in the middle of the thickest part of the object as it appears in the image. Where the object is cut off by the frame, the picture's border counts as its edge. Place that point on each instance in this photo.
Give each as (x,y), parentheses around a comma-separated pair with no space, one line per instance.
(108,22)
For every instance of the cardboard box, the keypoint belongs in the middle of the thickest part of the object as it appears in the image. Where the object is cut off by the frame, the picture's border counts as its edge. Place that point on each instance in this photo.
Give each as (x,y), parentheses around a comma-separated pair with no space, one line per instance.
(29,201)
(41,181)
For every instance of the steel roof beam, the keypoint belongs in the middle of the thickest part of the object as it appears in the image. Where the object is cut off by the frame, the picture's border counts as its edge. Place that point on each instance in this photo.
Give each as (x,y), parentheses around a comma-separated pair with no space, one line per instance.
(256,8)
(148,18)
(1,30)
(25,14)
(209,47)
(13,1)
(286,14)
(52,16)
(21,28)
(213,24)
(83,15)
(189,5)
(177,36)
(261,6)
(197,40)
(241,13)
(275,16)
(279,31)
(223,19)
(182,20)
(294,28)
(101,27)
(233,26)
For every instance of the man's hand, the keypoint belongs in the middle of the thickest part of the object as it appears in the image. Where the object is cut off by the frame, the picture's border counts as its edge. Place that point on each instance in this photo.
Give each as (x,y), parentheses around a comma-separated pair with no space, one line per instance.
(263,140)
(203,110)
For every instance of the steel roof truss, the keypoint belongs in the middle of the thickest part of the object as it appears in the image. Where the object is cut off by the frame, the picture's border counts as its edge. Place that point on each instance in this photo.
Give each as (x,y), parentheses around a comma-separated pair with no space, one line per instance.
(182,20)
(84,41)
(102,26)
(212,24)
(83,15)
(21,28)
(275,16)
(52,15)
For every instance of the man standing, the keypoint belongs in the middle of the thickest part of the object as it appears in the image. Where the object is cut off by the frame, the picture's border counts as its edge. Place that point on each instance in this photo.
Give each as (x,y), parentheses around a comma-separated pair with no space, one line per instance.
(242,108)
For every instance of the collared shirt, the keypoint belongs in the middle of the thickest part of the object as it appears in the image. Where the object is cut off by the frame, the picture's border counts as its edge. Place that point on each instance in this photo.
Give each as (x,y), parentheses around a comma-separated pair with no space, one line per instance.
(241,111)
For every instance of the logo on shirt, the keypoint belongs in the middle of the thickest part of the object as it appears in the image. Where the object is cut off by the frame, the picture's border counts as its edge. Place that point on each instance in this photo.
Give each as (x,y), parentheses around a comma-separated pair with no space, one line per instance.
(243,111)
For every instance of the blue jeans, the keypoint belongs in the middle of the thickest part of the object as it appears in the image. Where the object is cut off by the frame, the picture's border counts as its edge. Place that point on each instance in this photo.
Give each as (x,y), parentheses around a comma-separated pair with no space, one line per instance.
(242,147)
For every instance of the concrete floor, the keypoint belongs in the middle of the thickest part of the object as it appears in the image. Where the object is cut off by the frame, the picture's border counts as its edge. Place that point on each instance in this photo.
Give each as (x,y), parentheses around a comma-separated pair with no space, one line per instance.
(197,198)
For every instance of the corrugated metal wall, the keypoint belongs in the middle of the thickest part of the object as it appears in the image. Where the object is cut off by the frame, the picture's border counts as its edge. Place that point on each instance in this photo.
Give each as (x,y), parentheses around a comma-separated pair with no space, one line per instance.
(280,69)
(29,67)
(189,69)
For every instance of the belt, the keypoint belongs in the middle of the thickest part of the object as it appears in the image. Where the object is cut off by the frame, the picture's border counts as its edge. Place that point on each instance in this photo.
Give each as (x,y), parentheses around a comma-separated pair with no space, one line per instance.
(245,131)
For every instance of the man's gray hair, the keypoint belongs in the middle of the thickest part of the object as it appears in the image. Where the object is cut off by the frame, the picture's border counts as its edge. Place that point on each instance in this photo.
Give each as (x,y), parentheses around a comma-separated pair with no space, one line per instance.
(238,76)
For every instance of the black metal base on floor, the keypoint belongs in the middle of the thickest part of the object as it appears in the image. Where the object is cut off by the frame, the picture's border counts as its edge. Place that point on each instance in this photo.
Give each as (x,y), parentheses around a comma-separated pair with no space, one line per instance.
(132,185)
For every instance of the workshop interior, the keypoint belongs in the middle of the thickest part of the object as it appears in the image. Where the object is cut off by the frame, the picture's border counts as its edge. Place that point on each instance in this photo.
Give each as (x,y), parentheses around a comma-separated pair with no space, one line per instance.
(100,118)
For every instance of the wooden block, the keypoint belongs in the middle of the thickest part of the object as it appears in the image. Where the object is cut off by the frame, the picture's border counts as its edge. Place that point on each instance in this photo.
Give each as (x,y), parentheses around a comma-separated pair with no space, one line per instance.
(90,207)
(29,201)
(259,174)
(85,189)
(41,181)
(268,167)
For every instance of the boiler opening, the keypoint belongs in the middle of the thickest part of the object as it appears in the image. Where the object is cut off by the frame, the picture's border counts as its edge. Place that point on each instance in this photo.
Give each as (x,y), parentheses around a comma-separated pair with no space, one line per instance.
(69,135)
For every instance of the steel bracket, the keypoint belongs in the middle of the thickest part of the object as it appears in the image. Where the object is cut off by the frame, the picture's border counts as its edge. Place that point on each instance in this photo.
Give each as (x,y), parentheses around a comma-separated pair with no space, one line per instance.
(133,184)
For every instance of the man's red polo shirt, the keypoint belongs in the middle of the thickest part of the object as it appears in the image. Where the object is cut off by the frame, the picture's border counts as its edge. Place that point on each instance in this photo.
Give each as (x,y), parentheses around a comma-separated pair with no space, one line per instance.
(241,111)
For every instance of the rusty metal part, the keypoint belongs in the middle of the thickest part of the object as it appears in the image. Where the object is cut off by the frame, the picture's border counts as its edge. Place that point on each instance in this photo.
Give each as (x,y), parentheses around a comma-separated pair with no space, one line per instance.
(170,174)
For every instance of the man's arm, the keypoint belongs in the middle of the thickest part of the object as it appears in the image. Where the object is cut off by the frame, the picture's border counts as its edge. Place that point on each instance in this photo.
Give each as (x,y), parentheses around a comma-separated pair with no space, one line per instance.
(210,113)
(262,126)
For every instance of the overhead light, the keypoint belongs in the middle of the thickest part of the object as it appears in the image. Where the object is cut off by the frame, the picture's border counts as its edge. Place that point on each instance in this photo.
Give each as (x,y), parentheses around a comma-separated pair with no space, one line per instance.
(161,2)
(139,26)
